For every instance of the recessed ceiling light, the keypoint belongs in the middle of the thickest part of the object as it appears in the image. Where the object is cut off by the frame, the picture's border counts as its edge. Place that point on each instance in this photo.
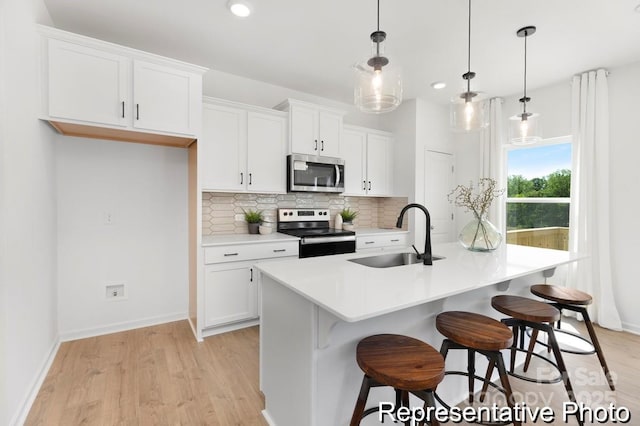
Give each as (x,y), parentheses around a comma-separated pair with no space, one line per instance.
(438,85)
(239,8)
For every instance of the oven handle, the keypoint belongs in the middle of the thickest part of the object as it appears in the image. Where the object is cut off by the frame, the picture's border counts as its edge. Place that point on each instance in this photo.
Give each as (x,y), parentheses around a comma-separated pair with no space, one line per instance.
(337,175)
(322,240)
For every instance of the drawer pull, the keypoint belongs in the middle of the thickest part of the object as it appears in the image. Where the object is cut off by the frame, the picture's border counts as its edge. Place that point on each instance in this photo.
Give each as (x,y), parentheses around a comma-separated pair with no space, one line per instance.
(230,254)
(395,241)
(279,250)
(369,242)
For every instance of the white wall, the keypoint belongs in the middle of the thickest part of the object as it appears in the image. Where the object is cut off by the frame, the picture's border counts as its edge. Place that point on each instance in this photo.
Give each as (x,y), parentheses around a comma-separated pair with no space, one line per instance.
(27,222)
(240,89)
(144,187)
(624,92)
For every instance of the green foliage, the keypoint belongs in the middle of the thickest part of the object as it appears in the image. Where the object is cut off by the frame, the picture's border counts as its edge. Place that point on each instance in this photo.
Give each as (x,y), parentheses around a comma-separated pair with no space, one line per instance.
(539,215)
(253,216)
(348,215)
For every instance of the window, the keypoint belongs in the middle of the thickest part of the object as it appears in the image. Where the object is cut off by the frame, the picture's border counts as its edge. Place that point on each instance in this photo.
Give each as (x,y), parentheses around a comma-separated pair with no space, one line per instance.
(539,194)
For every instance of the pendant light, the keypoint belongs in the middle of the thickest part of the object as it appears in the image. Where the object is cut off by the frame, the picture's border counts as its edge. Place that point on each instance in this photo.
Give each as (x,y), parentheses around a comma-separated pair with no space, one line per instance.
(378,83)
(468,110)
(524,128)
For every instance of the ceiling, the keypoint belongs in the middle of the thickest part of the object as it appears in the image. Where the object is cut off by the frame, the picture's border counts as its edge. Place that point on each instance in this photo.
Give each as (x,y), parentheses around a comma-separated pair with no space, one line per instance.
(311,46)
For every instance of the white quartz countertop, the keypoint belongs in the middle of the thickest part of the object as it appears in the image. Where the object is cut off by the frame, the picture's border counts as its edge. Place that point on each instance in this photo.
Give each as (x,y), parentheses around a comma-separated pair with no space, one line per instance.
(354,292)
(379,231)
(223,240)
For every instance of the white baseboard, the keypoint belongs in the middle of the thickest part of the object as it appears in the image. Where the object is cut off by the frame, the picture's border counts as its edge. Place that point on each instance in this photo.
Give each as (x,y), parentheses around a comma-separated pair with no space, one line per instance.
(268,418)
(21,415)
(121,326)
(631,328)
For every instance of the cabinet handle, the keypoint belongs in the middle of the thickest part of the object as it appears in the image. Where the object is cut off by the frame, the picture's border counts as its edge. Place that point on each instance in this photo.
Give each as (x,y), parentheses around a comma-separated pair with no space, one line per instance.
(364,185)
(322,145)
(251,277)
(249,178)
(369,185)
(230,254)
(241,178)
(394,241)
(316,148)
(122,109)
(279,250)
(369,242)
(137,111)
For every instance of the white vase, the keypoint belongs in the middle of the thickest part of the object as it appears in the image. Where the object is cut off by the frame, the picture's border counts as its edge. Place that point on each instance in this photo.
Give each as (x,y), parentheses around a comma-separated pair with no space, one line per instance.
(337,222)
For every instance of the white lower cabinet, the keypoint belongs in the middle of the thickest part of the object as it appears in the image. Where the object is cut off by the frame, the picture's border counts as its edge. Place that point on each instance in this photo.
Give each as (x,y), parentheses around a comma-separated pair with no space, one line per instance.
(231,288)
(231,294)
(381,242)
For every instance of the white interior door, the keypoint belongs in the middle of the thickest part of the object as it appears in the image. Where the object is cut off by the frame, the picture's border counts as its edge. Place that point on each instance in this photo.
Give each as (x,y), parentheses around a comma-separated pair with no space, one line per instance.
(439,181)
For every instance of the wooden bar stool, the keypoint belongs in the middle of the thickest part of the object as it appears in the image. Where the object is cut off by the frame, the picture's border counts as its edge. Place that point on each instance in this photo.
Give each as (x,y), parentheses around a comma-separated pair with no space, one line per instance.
(573,300)
(477,333)
(406,364)
(538,316)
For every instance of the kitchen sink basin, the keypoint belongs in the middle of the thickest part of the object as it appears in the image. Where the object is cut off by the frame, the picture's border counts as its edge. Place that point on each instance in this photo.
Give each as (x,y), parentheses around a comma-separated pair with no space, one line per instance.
(390,260)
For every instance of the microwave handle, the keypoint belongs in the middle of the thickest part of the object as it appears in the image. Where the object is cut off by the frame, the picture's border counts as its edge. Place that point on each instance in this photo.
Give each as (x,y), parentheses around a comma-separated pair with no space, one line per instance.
(338,177)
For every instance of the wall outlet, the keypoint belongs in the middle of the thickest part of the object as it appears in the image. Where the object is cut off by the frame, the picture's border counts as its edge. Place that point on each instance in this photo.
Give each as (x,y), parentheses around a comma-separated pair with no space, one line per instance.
(108,218)
(115,291)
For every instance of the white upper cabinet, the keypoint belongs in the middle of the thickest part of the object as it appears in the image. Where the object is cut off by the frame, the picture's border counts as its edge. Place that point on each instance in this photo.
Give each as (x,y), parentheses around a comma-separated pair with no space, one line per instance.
(368,156)
(242,148)
(87,84)
(98,89)
(314,130)
(163,96)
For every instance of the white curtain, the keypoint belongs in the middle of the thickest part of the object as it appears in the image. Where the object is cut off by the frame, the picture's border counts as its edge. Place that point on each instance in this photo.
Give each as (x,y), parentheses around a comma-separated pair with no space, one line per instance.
(492,162)
(590,180)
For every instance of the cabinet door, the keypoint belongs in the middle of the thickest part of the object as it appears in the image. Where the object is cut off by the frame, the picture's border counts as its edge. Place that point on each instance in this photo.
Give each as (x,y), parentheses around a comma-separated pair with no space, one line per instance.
(304,130)
(266,162)
(378,176)
(165,99)
(230,295)
(222,149)
(354,154)
(329,133)
(88,85)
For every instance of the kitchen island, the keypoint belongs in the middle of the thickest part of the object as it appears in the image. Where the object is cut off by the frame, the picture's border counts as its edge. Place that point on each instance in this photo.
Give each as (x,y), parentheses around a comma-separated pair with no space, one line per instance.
(314,312)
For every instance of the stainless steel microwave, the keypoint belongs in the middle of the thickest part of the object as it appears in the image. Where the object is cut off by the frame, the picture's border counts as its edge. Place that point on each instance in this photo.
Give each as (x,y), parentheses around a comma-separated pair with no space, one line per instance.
(309,173)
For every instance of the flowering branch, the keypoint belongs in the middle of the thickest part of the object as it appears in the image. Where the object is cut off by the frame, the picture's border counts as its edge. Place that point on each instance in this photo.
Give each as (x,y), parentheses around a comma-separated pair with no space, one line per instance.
(476,202)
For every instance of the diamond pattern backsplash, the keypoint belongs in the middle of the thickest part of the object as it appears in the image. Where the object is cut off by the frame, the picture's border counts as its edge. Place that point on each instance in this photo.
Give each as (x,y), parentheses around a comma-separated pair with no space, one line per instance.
(222,213)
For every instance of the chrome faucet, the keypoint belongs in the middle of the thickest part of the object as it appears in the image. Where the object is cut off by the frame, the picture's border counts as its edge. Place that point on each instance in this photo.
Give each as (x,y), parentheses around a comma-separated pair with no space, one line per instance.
(427,258)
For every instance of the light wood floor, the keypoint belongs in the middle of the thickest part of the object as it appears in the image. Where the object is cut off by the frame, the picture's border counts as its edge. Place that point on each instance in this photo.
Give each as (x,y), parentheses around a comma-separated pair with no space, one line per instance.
(161,376)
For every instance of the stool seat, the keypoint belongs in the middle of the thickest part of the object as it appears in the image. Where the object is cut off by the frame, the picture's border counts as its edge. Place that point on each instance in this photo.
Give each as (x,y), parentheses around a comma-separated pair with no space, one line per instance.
(570,296)
(525,309)
(474,331)
(401,362)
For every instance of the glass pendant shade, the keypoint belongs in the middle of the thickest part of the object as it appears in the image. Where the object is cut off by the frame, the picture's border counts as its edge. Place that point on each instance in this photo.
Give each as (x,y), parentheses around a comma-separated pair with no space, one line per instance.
(378,89)
(469,113)
(524,130)
(378,80)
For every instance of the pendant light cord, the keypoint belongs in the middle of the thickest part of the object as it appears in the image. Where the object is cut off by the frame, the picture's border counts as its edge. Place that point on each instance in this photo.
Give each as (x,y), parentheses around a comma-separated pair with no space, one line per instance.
(378,15)
(524,99)
(468,50)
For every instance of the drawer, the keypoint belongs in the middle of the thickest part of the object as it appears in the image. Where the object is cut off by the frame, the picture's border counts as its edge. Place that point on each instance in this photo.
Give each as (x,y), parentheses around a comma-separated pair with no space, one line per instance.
(379,241)
(240,252)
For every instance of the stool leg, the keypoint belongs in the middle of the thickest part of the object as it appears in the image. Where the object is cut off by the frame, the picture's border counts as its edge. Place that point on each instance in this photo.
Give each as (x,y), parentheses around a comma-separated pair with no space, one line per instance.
(471,370)
(504,380)
(487,379)
(596,345)
(430,402)
(362,401)
(532,344)
(513,347)
(561,365)
(444,349)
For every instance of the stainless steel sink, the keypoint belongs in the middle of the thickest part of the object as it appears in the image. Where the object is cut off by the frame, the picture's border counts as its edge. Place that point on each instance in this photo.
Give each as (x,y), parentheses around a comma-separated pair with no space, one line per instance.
(390,260)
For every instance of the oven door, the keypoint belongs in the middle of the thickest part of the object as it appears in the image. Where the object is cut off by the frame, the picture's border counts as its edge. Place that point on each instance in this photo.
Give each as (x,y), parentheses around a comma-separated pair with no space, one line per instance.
(308,173)
(322,246)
